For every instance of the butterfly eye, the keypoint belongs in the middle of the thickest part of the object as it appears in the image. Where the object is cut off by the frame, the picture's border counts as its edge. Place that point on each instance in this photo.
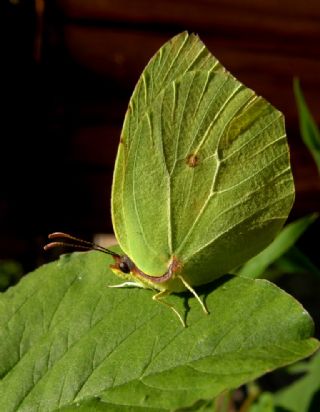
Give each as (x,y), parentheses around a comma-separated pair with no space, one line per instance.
(124,267)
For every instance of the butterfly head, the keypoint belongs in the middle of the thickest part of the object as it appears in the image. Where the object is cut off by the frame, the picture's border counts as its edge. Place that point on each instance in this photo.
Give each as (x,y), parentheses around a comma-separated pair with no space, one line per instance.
(122,266)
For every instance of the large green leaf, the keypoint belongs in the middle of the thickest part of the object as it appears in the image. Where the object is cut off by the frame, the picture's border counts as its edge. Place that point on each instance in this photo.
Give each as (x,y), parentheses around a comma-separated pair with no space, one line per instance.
(265,403)
(304,394)
(69,341)
(203,176)
(295,261)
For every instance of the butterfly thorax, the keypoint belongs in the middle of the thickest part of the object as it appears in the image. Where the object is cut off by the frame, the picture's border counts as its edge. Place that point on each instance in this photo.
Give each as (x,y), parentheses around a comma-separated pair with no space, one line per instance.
(126,269)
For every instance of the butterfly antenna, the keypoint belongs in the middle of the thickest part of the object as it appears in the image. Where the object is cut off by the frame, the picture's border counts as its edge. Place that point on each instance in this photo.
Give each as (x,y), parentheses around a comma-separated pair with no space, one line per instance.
(80,243)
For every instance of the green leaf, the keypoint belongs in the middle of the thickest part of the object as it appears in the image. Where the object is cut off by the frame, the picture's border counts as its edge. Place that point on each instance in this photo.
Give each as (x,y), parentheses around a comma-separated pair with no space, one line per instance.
(10,272)
(97,405)
(66,339)
(204,169)
(295,261)
(308,127)
(300,395)
(257,266)
(265,403)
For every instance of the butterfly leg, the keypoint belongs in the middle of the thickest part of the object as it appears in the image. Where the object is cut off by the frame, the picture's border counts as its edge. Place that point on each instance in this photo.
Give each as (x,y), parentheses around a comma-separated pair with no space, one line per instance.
(158,298)
(126,285)
(186,284)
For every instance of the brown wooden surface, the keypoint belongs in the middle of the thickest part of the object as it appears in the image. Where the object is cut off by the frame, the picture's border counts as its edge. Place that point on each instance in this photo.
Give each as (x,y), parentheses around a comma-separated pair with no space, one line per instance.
(72,100)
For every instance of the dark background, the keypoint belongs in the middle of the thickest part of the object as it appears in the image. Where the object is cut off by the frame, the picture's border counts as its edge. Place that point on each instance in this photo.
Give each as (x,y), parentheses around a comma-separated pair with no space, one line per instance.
(68,70)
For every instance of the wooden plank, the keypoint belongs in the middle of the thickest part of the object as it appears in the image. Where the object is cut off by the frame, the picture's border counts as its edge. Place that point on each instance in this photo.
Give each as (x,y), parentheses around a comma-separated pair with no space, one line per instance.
(263,16)
(119,56)
(96,145)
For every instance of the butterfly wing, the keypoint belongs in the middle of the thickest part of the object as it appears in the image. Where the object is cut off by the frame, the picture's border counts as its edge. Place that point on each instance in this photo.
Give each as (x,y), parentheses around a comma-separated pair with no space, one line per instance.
(183,53)
(202,172)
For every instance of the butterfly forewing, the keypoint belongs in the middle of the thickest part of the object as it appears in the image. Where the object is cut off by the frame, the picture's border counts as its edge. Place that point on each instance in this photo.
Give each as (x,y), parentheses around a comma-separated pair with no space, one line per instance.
(183,53)
(202,172)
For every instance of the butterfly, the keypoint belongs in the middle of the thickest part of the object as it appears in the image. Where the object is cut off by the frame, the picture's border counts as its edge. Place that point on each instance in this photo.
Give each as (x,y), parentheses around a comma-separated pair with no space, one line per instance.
(202,179)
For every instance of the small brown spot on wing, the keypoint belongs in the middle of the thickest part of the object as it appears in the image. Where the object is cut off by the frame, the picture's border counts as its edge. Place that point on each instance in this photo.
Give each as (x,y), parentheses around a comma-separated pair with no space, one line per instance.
(192,160)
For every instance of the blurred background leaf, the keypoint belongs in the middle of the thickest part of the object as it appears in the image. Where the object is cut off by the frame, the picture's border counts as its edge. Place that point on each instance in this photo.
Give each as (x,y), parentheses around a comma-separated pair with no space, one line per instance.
(10,273)
(308,127)
(258,265)
(304,394)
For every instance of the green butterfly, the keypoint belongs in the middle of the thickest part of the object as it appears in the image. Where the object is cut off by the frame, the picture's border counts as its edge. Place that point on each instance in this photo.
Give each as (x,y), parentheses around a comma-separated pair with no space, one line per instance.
(202,179)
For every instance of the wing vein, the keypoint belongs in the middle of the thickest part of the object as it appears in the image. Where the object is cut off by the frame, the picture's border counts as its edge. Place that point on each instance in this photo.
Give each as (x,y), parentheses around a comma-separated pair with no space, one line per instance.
(249,195)
(216,117)
(241,222)
(134,189)
(252,138)
(180,123)
(175,58)
(204,115)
